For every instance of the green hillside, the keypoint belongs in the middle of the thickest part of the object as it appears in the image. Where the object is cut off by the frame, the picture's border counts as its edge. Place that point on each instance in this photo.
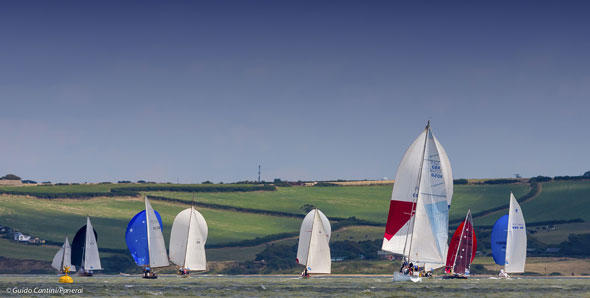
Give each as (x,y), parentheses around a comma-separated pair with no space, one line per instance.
(54,218)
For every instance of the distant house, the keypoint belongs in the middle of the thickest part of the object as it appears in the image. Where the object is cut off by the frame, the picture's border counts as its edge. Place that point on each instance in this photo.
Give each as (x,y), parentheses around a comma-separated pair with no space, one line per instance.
(18,236)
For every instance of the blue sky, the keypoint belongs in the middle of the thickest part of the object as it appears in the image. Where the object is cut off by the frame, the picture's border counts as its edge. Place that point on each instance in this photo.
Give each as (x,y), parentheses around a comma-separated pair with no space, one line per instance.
(194,91)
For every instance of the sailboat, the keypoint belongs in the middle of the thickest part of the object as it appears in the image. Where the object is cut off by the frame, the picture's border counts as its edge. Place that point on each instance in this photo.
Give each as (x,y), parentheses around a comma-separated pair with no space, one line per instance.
(509,240)
(187,241)
(313,250)
(462,249)
(418,220)
(145,240)
(63,258)
(85,250)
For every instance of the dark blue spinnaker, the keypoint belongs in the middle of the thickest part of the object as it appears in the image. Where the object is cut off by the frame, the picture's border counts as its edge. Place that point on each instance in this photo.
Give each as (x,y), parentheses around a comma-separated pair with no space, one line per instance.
(136,238)
(499,235)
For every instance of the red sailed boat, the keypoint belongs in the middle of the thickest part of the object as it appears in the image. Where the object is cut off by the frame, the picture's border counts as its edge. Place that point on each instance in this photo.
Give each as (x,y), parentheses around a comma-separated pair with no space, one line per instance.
(462,249)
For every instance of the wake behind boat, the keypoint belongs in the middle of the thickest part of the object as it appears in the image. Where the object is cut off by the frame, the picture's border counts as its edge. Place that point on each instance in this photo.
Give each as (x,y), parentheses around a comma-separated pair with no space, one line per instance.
(417,224)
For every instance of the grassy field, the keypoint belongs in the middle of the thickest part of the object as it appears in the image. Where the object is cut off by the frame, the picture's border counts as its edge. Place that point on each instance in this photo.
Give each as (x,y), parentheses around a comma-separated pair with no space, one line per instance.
(560,200)
(54,219)
(364,202)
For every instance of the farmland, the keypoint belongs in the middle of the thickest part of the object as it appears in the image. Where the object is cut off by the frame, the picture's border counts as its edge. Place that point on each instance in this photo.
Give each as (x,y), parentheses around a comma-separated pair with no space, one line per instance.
(267,215)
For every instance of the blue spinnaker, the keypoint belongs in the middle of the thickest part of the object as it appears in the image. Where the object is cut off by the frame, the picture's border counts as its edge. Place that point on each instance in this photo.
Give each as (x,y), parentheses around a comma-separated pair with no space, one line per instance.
(136,238)
(499,235)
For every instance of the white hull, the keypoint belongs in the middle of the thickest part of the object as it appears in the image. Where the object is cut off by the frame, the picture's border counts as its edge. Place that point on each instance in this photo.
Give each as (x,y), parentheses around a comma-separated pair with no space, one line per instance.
(397,276)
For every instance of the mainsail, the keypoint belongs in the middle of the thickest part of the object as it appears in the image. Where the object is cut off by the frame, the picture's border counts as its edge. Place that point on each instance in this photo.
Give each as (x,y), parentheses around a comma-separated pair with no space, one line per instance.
(509,240)
(91,258)
(145,240)
(417,224)
(313,250)
(462,248)
(63,258)
(187,240)
(516,239)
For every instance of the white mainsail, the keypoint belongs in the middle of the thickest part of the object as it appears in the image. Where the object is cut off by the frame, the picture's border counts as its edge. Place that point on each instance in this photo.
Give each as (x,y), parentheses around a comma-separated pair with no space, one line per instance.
(417,225)
(516,241)
(187,240)
(156,245)
(91,257)
(313,250)
(63,258)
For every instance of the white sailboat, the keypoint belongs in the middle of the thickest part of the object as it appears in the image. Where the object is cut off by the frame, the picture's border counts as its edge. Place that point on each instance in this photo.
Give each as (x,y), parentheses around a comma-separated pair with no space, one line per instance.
(513,232)
(63,258)
(417,224)
(91,259)
(313,250)
(187,240)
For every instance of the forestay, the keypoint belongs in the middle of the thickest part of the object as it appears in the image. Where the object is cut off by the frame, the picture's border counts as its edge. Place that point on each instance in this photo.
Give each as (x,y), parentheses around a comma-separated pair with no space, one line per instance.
(313,250)
(187,240)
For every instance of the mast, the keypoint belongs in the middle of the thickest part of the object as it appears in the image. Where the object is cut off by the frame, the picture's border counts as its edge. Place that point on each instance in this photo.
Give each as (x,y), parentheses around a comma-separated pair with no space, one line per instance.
(63,257)
(413,211)
(147,226)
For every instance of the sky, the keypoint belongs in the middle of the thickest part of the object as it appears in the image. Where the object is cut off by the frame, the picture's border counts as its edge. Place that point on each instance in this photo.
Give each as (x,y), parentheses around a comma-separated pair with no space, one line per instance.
(208,90)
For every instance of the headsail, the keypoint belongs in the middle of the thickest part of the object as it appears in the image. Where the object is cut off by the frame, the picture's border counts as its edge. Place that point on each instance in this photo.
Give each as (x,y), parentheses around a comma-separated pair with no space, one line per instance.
(462,248)
(313,250)
(91,257)
(187,240)
(516,240)
(424,187)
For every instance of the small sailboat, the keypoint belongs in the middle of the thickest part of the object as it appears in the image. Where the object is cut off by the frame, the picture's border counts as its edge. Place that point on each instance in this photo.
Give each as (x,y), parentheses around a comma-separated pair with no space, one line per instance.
(63,258)
(509,241)
(418,221)
(187,241)
(313,250)
(145,240)
(462,250)
(85,250)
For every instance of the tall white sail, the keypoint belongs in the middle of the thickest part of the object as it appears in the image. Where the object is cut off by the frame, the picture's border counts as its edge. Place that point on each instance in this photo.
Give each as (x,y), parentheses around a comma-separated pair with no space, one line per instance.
(516,241)
(187,240)
(313,250)
(429,242)
(417,224)
(156,245)
(91,257)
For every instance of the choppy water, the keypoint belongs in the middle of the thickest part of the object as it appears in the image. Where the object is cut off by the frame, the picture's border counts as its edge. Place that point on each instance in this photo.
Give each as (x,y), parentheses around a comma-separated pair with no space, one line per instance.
(207,285)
